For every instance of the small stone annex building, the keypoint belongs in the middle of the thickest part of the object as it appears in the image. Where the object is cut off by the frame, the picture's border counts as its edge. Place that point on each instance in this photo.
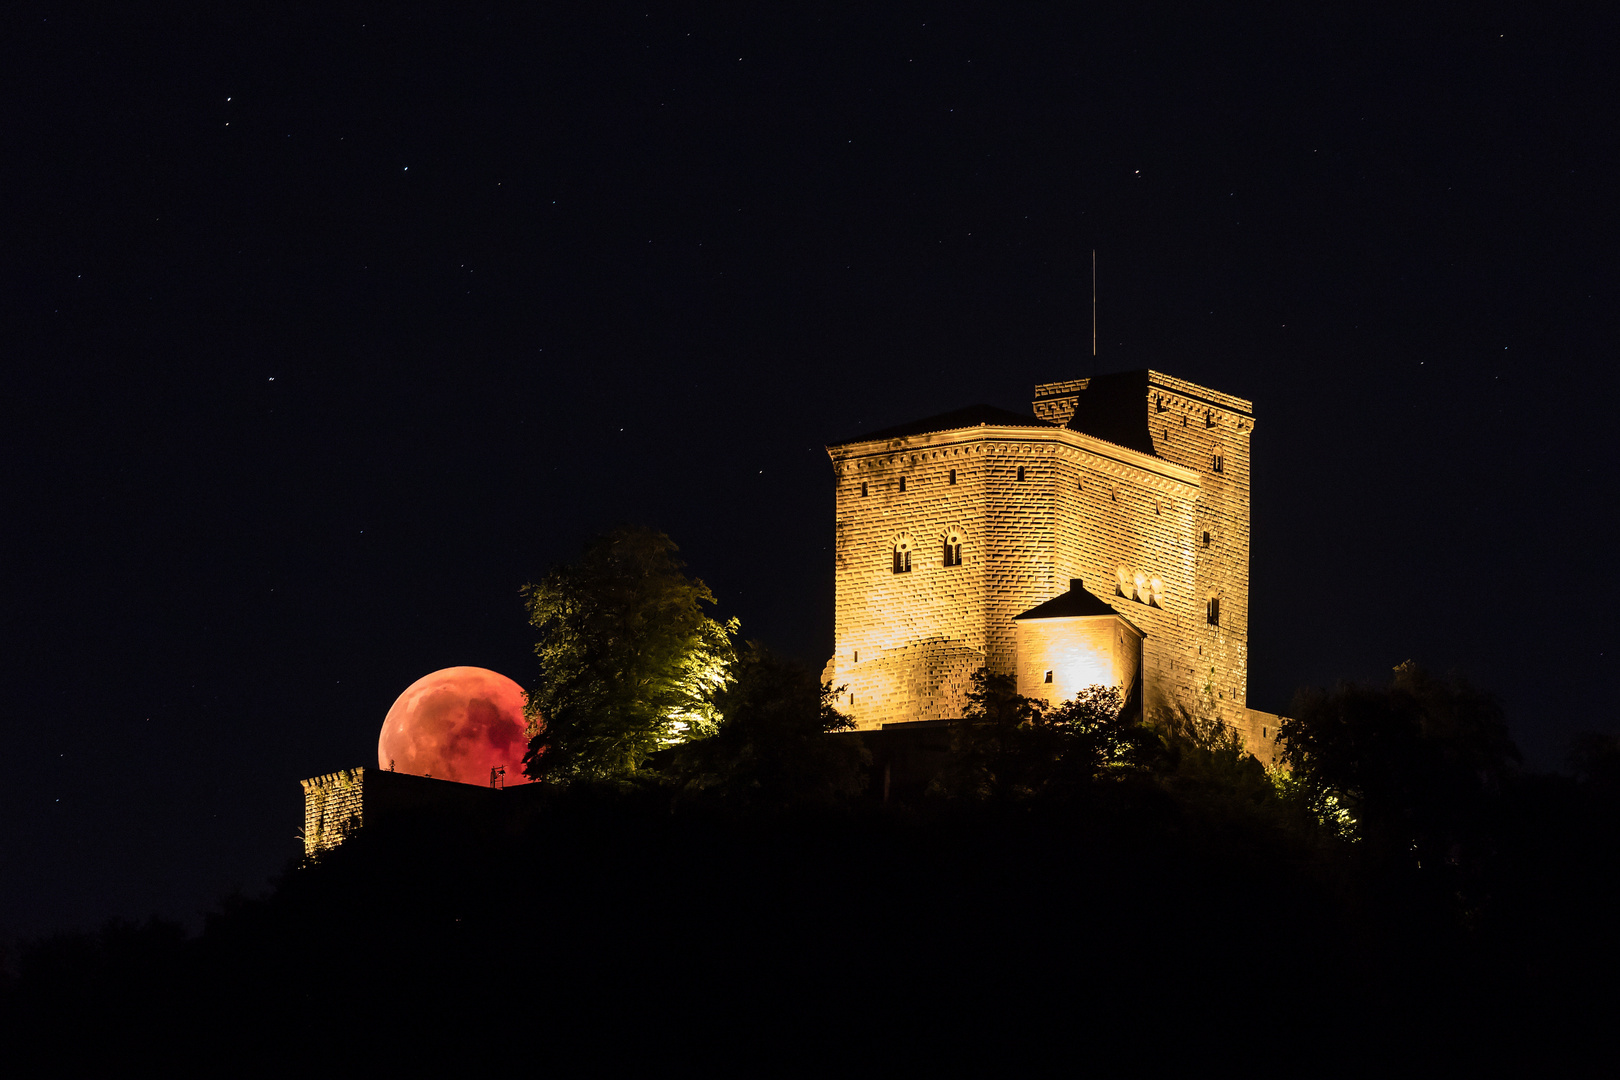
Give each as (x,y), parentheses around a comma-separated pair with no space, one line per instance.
(1101,538)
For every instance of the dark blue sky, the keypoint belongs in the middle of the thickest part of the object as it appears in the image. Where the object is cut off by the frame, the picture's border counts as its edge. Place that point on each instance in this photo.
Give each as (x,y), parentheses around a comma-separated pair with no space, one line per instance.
(324,333)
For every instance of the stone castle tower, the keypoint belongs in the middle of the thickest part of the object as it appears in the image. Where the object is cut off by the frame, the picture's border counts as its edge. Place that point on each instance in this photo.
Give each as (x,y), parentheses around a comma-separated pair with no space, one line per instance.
(1102,538)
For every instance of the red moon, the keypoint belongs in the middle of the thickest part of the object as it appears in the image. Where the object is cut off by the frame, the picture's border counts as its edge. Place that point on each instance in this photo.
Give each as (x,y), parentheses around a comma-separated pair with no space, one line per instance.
(456,724)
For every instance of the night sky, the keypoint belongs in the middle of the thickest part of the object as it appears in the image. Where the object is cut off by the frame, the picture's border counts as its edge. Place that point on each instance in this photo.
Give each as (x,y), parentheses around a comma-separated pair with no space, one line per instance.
(322,334)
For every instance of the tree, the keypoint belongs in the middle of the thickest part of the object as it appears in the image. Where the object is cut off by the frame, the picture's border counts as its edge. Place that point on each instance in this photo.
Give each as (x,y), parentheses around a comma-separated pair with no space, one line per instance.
(1411,770)
(1011,746)
(629,662)
(773,749)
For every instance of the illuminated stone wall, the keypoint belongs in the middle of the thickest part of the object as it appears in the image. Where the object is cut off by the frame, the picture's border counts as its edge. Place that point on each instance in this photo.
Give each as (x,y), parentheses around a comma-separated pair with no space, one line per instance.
(339,804)
(1259,732)
(1129,523)
(334,807)
(1199,664)
(1080,652)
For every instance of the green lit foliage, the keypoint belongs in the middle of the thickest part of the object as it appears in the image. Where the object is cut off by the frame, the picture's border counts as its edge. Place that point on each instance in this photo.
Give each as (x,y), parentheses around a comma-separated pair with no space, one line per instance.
(1205,763)
(629,661)
(1411,770)
(772,750)
(1011,747)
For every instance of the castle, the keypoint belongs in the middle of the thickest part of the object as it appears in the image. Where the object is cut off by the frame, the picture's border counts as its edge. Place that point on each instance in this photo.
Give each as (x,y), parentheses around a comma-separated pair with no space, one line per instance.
(1102,538)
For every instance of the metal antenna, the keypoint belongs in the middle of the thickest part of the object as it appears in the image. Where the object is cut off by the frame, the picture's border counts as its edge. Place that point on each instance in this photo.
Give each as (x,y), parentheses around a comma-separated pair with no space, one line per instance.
(1094,303)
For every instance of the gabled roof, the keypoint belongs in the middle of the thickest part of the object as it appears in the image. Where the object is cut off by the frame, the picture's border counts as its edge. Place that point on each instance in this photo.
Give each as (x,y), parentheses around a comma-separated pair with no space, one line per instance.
(1077,601)
(972,416)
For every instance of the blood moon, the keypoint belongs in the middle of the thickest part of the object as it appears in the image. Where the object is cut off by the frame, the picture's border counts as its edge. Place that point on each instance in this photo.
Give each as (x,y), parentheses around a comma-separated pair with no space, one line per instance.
(456,724)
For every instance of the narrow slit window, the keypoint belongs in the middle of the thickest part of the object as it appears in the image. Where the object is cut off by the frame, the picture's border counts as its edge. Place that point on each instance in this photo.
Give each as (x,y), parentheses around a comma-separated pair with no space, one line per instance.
(1048,676)
(1213,613)
(953,476)
(902,483)
(1206,539)
(1020,474)
(1218,464)
(863,489)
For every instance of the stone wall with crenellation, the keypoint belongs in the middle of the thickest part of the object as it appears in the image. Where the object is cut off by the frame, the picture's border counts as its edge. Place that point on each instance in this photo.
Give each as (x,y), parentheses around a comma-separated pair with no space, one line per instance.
(334,808)
(337,805)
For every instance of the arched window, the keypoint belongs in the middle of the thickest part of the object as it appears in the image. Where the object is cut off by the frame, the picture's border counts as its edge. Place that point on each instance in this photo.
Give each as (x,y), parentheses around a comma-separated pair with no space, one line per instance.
(1020,474)
(953,550)
(902,557)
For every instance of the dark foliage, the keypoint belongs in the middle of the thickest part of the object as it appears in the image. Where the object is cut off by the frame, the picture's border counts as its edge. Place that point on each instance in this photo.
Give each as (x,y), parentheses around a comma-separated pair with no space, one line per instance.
(1087,880)
(1010,747)
(1413,773)
(771,752)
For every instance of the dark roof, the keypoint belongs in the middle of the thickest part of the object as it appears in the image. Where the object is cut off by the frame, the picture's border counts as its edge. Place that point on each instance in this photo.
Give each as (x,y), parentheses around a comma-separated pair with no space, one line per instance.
(1077,601)
(1114,408)
(972,416)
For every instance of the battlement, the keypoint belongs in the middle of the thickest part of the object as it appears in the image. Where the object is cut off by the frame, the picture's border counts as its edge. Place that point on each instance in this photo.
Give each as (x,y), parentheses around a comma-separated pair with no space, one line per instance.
(338,805)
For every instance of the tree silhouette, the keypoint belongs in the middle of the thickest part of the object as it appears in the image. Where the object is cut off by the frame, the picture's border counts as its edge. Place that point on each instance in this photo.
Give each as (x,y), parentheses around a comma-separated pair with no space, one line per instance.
(1008,746)
(772,749)
(1412,771)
